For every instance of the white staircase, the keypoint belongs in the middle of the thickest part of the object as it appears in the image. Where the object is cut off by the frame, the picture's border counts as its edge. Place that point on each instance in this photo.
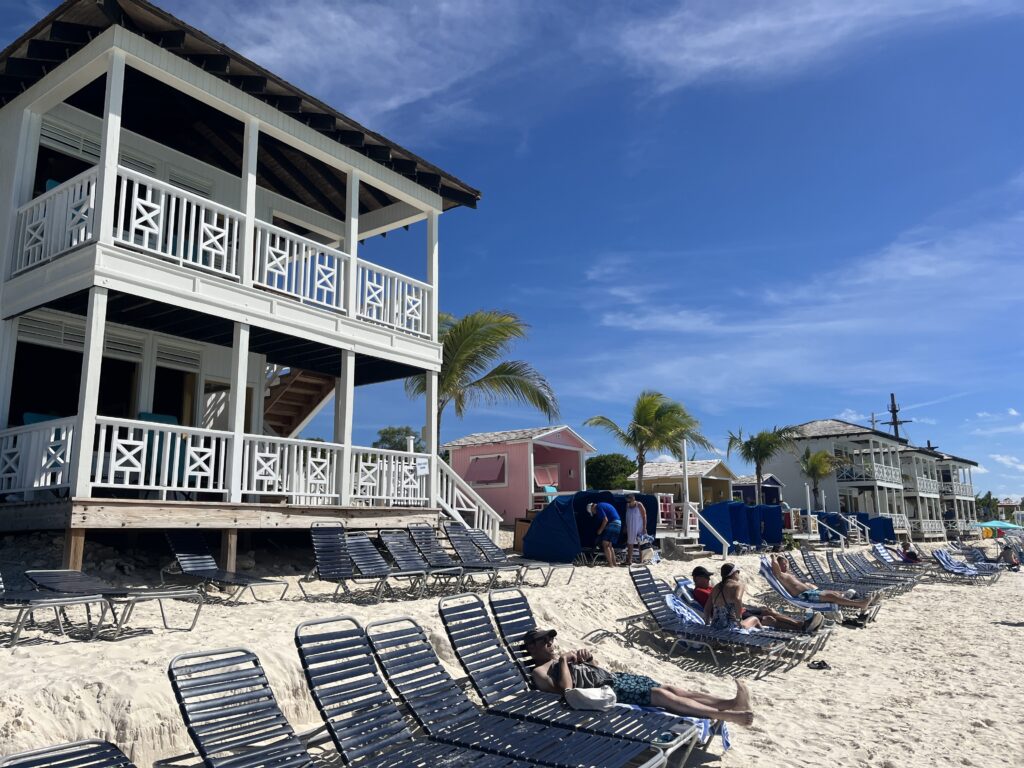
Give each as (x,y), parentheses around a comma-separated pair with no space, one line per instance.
(459,501)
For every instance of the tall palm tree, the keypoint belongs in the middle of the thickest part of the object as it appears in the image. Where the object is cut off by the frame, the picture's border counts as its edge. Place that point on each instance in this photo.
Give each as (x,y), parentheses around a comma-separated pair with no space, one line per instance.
(760,448)
(657,424)
(472,371)
(817,466)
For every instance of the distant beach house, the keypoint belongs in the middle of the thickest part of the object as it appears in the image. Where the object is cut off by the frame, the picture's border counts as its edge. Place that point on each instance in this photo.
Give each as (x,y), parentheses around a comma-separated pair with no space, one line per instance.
(745,489)
(956,491)
(708,480)
(520,469)
(185,286)
(921,491)
(1008,508)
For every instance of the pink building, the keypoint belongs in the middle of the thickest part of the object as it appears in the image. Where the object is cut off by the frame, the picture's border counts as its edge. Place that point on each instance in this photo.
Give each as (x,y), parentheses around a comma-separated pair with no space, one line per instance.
(511,470)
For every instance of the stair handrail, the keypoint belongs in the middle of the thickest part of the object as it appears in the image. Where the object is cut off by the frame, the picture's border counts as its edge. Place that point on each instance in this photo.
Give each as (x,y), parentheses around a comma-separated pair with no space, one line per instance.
(701,520)
(827,527)
(865,531)
(484,516)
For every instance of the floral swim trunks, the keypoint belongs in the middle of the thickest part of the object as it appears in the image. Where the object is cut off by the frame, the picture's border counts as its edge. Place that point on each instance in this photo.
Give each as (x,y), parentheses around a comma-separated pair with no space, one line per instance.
(810,595)
(633,689)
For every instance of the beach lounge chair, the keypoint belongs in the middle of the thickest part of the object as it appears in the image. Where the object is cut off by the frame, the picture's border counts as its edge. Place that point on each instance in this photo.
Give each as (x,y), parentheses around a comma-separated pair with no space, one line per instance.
(504,690)
(78,583)
(964,572)
(446,714)
(91,753)
(887,584)
(24,604)
(230,711)
(427,542)
(365,724)
(858,566)
(195,560)
(831,611)
(497,556)
(473,560)
(407,557)
(822,579)
(343,558)
(886,560)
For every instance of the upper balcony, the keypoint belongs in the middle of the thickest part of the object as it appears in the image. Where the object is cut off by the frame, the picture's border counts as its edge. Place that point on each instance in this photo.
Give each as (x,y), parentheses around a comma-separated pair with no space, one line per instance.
(921,485)
(961,490)
(870,473)
(180,227)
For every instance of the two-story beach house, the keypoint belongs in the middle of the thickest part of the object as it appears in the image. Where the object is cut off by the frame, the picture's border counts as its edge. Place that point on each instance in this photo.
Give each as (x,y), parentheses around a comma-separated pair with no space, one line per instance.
(186,280)
(956,492)
(921,492)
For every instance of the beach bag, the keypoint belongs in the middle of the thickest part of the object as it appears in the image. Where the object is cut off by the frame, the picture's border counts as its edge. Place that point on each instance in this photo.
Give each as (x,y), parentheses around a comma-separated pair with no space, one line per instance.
(597,699)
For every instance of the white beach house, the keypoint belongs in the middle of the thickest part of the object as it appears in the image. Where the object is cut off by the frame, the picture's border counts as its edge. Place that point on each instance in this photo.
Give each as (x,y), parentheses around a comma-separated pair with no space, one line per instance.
(956,490)
(708,480)
(921,492)
(185,283)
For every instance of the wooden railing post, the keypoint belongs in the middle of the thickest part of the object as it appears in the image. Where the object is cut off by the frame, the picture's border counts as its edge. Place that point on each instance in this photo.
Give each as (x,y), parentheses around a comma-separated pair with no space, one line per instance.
(236,412)
(250,151)
(88,392)
(110,146)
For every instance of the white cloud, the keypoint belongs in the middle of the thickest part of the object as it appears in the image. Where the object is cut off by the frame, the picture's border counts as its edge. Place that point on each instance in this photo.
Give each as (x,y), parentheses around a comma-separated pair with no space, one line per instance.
(1013,412)
(699,40)
(1008,461)
(980,470)
(985,415)
(848,414)
(925,420)
(1005,430)
(663,459)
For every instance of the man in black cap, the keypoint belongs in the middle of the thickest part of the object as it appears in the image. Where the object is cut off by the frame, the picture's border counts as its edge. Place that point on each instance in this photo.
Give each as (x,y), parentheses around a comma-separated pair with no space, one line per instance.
(556,672)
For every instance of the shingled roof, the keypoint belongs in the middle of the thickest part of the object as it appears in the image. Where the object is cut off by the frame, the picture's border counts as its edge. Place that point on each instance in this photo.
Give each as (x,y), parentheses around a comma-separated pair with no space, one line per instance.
(511,435)
(701,468)
(839,428)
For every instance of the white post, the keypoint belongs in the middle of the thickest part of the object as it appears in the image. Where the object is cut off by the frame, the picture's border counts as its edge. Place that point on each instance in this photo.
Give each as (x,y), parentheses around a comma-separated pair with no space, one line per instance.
(807,489)
(824,506)
(110,146)
(250,154)
(344,393)
(686,481)
(8,349)
(410,443)
(433,306)
(432,439)
(88,391)
(351,279)
(583,471)
(236,414)
(21,182)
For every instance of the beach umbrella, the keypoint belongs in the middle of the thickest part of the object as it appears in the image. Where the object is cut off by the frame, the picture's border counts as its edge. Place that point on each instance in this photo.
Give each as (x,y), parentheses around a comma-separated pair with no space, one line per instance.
(999,524)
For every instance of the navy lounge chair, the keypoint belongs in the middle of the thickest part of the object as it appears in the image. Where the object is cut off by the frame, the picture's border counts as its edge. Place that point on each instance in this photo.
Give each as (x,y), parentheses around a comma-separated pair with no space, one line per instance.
(78,583)
(365,724)
(230,711)
(830,611)
(407,557)
(25,603)
(816,575)
(505,691)
(91,753)
(427,542)
(861,584)
(446,714)
(473,560)
(964,572)
(497,556)
(193,556)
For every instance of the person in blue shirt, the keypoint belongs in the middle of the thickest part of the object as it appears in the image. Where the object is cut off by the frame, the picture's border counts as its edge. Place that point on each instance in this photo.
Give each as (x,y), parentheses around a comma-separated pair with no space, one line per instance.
(608,529)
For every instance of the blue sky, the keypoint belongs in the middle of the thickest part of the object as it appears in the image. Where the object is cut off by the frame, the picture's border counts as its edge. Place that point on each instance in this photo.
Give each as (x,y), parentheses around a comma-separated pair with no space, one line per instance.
(771,211)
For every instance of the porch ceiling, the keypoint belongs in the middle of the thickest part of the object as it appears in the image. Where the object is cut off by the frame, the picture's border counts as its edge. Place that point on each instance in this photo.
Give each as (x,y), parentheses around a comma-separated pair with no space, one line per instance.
(280,349)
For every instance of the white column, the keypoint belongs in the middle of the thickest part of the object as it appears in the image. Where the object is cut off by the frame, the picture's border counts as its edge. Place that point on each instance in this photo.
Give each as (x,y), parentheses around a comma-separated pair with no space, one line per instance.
(250,153)
(88,391)
(147,374)
(236,412)
(351,303)
(583,471)
(8,348)
(433,306)
(344,394)
(432,439)
(110,145)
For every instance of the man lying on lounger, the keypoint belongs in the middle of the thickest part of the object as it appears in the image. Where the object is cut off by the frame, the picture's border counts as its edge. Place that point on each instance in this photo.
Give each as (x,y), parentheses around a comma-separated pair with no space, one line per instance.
(809,592)
(558,672)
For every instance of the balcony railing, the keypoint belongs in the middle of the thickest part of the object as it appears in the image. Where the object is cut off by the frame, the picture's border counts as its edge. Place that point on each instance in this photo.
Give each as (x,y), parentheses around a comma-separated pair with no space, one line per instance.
(921,484)
(957,489)
(900,522)
(870,471)
(175,225)
(36,457)
(929,527)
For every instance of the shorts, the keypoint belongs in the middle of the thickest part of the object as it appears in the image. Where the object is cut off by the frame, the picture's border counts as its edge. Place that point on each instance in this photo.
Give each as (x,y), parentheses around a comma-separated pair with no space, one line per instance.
(810,596)
(611,532)
(633,689)
(752,611)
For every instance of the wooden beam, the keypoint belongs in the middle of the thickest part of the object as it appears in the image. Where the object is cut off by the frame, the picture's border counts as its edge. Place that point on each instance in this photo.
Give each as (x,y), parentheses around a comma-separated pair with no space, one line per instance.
(229,549)
(51,50)
(318,121)
(249,83)
(68,32)
(27,67)
(215,63)
(74,548)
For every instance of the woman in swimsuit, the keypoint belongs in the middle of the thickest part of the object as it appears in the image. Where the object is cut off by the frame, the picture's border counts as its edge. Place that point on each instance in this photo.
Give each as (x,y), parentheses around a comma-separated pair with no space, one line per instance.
(724,607)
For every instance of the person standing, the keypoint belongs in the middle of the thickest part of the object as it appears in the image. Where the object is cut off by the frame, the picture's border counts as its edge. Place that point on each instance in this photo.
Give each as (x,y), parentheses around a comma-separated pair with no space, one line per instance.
(636,525)
(609,528)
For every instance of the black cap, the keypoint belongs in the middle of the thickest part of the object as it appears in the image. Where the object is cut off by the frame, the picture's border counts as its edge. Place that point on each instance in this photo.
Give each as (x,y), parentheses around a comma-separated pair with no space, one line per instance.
(536,634)
(728,570)
(700,570)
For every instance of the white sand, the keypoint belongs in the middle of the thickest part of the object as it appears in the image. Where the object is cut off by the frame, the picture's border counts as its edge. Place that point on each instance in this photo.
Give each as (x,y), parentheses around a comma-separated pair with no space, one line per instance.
(934,682)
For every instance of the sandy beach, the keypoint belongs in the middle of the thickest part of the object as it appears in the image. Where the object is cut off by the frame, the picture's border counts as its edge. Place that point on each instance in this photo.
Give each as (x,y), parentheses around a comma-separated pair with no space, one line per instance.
(922,686)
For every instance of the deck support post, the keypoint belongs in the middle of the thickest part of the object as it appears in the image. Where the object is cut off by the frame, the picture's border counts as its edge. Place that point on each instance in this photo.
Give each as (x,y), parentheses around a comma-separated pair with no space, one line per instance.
(344,393)
(8,348)
(236,414)
(351,269)
(250,151)
(88,393)
(229,549)
(433,307)
(110,146)
(74,548)
(430,437)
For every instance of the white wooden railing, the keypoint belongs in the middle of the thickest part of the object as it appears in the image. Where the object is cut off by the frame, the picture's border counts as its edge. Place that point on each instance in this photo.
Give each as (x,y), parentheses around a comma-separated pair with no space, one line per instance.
(714,532)
(55,222)
(958,489)
(304,471)
(177,225)
(392,299)
(899,522)
(863,532)
(299,267)
(389,478)
(458,500)
(929,527)
(837,533)
(36,456)
(869,471)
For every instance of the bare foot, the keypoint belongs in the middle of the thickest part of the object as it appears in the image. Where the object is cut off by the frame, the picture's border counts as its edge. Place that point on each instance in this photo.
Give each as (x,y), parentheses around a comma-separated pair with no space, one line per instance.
(740,718)
(741,701)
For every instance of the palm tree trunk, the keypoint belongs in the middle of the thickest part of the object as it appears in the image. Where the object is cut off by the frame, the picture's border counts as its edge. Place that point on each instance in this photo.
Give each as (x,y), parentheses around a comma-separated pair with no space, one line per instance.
(757,487)
(641,459)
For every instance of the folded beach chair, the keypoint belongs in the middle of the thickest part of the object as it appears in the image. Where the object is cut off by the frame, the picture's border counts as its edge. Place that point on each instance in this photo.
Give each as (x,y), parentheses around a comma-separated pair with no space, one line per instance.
(504,690)
(78,583)
(230,711)
(831,611)
(817,575)
(92,753)
(407,557)
(24,604)
(427,542)
(858,566)
(365,724)
(343,558)
(474,561)
(195,560)
(446,714)
(963,571)
(889,585)
(497,556)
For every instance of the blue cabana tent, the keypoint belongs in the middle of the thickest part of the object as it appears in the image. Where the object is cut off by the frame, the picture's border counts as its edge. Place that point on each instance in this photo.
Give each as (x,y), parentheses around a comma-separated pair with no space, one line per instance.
(771,523)
(729,518)
(880,528)
(563,528)
(833,520)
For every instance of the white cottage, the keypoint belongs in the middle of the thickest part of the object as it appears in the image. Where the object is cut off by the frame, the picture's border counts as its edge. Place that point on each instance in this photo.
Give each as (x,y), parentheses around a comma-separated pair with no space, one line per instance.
(185,283)
(921,492)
